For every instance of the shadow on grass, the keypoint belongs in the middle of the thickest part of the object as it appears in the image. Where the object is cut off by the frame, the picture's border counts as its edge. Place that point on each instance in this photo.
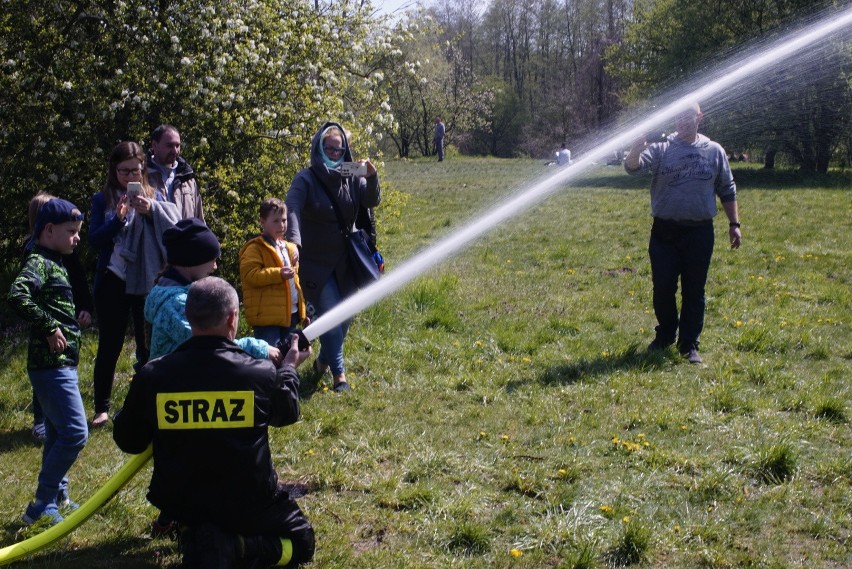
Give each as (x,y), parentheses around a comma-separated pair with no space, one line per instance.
(631,358)
(127,553)
(12,440)
(309,381)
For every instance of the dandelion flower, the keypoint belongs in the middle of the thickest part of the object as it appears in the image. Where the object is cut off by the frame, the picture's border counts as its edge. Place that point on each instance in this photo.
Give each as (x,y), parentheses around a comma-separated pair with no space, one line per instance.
(516,552)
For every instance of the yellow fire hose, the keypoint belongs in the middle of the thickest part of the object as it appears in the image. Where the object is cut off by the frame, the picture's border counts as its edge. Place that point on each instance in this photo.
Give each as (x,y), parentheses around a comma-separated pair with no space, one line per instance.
(78,516)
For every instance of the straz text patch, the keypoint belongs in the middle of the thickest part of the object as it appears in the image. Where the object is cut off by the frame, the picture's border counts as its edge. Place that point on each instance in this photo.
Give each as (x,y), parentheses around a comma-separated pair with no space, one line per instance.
(205,410)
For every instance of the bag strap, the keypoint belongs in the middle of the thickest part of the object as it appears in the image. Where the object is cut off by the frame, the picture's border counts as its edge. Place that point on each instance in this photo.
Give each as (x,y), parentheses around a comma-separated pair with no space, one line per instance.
(345,231)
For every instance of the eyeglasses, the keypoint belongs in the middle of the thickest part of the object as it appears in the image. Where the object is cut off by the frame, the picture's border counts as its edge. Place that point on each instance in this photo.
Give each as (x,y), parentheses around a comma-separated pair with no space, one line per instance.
(334,149)
(129,171)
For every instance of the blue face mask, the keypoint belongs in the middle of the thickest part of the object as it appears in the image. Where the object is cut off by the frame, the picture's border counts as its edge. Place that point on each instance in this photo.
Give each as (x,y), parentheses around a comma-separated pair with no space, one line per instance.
(329,163)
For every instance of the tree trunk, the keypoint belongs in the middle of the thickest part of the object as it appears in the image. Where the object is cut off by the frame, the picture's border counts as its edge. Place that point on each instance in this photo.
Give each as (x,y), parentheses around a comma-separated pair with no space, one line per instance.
(769,159)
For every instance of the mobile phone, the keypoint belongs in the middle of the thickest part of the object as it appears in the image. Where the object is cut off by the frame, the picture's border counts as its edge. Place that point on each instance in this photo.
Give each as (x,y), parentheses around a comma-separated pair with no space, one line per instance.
(655,136)
(134,189)
(353,169)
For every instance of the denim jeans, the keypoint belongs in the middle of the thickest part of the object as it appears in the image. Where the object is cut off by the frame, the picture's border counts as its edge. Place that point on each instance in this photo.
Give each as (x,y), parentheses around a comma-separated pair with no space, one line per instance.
(331,343)
(65,427)
(680,252)
(38,414)
(274,334)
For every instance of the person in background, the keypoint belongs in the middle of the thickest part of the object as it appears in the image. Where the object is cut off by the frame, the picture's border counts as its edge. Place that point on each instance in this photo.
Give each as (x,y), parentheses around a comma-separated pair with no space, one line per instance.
(689,171)
(83,302)
(170,175)
(440,131)
(206,408)
(312,225)
(269,272)
(563,155)
(126,231)
(41,294)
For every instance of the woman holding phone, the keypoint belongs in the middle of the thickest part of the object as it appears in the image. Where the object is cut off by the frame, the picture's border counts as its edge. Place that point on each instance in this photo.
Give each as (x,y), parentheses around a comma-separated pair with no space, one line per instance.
(312,224)
(126,225)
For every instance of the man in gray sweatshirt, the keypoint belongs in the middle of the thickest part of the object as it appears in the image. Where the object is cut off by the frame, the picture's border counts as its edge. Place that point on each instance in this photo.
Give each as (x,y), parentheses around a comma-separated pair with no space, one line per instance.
(689,171)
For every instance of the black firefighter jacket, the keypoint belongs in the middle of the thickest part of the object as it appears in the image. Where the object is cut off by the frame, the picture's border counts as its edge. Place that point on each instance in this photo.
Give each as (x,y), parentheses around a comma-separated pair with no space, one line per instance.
(206,408)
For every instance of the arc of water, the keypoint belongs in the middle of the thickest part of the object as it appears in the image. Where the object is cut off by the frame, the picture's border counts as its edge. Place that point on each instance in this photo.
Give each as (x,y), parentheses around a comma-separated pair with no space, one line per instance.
(731,75)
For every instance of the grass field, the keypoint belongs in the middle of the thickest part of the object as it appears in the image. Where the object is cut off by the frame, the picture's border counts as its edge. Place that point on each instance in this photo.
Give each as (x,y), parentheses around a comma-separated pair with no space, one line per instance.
(505,412)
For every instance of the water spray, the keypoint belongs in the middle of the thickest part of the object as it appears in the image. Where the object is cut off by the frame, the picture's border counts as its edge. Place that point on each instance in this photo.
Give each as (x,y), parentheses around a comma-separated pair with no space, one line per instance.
(414,267)
(732,74)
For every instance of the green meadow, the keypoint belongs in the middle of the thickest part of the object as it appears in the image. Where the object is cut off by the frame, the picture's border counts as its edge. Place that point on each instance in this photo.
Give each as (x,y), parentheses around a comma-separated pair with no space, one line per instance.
(505,413)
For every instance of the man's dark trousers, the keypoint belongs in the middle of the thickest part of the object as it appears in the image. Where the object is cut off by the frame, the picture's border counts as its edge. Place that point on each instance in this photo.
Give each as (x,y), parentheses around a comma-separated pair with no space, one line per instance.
(680,251)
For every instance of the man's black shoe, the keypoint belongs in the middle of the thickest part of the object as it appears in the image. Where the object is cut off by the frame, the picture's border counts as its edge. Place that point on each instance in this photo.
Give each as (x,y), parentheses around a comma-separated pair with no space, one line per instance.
(658,345)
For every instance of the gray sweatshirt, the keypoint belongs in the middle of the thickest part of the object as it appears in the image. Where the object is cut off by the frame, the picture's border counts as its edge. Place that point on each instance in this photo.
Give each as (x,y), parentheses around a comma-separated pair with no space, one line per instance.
(687,178)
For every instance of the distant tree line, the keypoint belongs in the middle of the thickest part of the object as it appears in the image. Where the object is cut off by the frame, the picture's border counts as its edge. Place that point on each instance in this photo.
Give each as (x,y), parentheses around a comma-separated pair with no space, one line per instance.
(548,71)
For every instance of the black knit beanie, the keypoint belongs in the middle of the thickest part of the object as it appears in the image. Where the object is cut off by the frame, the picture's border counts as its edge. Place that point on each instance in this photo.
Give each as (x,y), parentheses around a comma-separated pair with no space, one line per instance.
(189,243)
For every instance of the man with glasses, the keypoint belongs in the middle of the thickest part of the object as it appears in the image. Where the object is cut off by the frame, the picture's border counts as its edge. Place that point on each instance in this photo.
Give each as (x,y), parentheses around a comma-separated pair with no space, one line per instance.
(172,176)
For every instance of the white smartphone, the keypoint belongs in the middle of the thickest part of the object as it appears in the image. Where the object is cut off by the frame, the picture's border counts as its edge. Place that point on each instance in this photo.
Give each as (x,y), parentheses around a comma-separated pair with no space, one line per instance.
(133,189)
(353,169)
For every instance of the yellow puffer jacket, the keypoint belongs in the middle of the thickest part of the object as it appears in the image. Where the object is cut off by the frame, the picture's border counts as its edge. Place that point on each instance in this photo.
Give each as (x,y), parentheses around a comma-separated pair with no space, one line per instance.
(266,296)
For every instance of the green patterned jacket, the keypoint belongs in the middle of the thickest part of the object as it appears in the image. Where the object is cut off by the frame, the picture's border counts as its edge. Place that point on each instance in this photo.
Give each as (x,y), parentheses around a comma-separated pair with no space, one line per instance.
(41,295)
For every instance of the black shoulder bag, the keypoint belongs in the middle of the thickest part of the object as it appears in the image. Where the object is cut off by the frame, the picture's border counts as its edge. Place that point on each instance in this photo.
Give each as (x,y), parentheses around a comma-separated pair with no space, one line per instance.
(360,257)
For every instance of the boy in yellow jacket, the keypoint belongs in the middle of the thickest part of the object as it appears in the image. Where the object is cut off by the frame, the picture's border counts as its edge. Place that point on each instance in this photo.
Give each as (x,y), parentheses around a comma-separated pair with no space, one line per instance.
(269,271)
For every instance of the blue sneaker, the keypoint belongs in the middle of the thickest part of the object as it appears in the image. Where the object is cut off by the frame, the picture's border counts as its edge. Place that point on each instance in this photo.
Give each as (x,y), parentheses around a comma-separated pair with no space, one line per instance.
(35,512)
(64,502)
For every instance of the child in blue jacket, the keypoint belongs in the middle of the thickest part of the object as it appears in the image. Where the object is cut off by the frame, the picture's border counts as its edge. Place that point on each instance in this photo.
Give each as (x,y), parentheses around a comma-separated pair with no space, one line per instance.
(191,253)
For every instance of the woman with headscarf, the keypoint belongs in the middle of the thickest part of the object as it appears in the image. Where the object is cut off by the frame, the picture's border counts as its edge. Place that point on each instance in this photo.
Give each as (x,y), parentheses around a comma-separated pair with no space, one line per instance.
(312,224)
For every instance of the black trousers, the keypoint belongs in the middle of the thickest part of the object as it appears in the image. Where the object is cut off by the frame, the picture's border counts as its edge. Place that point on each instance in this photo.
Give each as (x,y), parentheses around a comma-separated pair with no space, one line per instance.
(263,530)
(114,309)
(680,252)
